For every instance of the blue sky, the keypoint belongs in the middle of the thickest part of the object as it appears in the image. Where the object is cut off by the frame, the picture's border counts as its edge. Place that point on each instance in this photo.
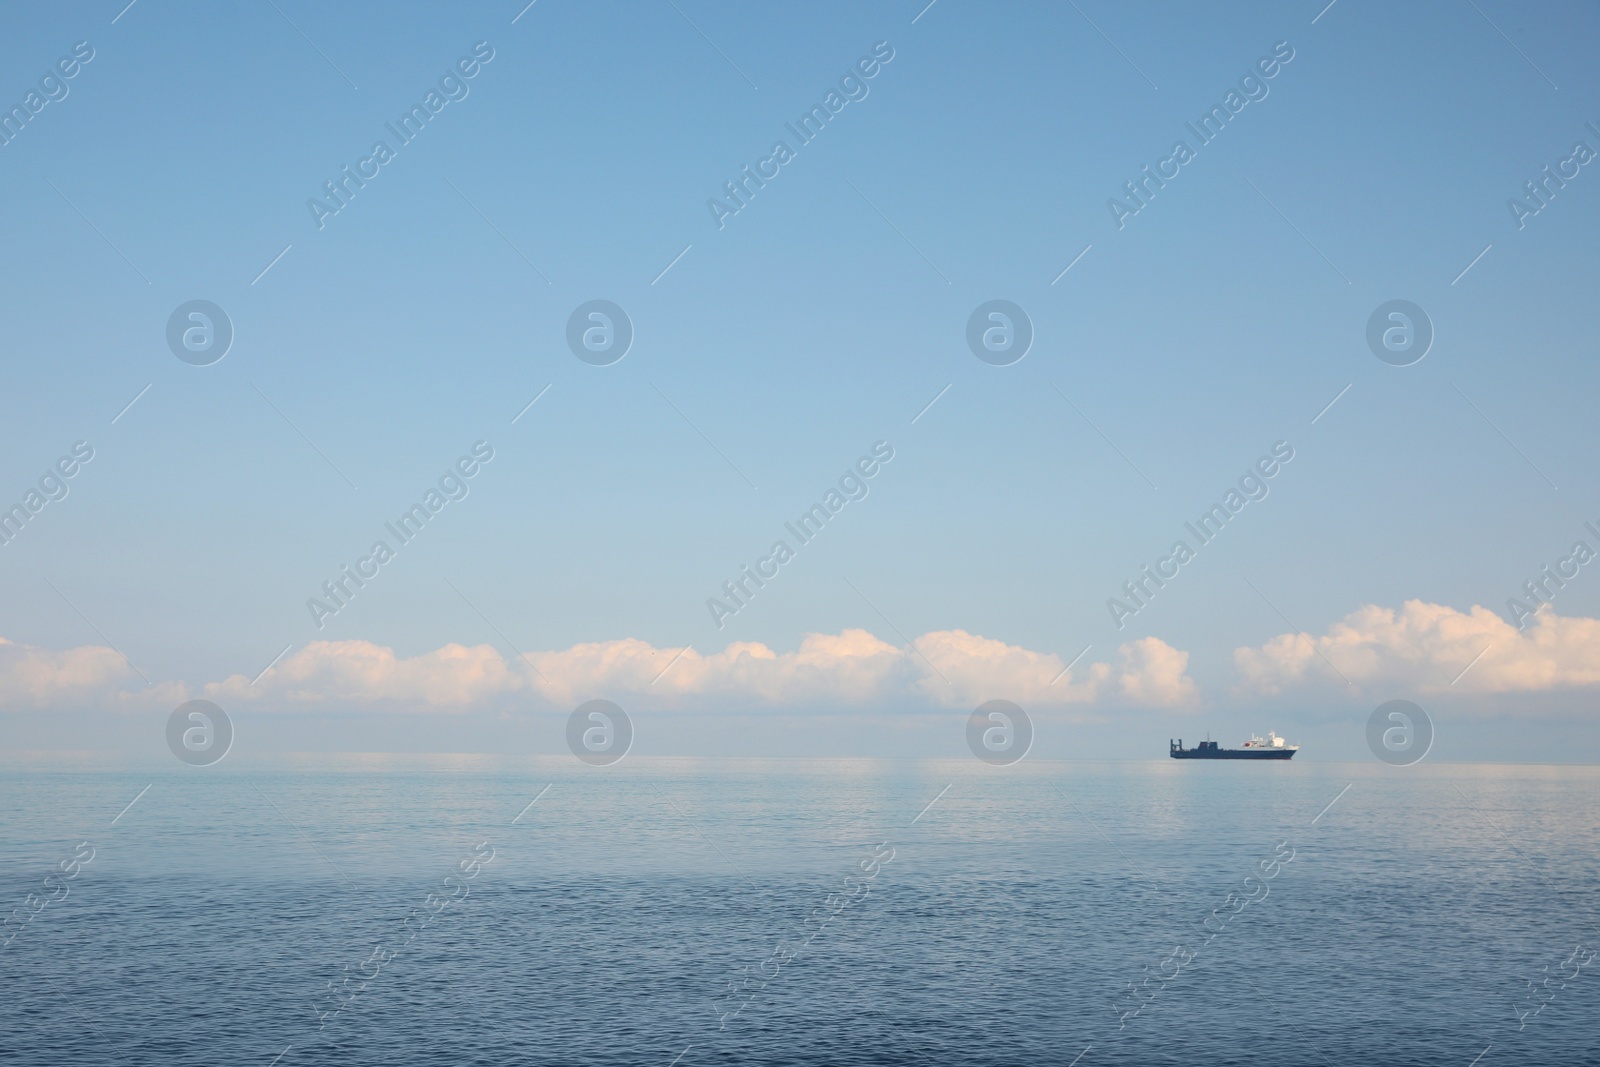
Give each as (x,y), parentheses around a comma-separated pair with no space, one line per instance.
(820,319)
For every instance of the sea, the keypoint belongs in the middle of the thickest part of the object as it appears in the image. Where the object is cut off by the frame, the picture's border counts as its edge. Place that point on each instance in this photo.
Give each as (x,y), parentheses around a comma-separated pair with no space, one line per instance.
(460,910)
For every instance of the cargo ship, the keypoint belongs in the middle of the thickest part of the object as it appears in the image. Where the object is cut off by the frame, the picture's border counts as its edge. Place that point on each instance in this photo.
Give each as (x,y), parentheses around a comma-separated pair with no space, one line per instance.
(1270,747)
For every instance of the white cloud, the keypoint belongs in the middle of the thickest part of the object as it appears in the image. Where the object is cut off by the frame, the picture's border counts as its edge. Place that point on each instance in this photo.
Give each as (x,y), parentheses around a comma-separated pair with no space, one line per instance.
(1424,646)
(1151,674)
(1419,647)
(1155,675)
(362,674)
(853,669)
(853,666)
(88,676)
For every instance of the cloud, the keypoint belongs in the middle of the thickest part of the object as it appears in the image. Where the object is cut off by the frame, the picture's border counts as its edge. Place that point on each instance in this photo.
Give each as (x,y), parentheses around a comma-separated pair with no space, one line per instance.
(854,668)
(1155,674)
(1151,673)
(88,676)
(1419,647)
(362,674)
(1424,647)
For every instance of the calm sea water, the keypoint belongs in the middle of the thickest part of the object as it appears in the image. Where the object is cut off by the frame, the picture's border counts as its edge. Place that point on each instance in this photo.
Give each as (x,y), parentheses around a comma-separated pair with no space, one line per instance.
(800,912)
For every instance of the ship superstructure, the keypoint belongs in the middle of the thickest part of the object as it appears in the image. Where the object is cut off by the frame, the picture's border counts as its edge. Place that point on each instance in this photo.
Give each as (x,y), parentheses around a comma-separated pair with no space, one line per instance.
(1270,747)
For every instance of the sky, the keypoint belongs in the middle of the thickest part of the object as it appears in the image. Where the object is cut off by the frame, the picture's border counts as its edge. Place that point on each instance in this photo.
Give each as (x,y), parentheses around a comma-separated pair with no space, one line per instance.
(1179,337)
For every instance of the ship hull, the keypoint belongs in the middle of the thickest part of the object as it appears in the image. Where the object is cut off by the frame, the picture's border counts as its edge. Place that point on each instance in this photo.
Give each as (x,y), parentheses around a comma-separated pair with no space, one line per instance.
(1235,753)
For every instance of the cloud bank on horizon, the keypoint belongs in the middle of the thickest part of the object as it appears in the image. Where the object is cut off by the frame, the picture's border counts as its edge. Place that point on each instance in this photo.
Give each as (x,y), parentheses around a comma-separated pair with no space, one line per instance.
(1430,648)
(1420,647)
